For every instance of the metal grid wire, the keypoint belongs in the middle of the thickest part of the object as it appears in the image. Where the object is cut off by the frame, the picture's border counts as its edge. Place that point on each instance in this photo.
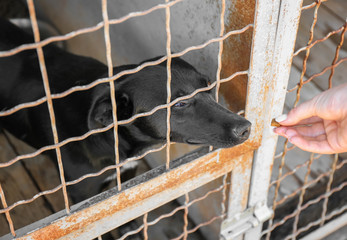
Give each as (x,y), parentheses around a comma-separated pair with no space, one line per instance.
(278,201)
(299,194)
(49,97)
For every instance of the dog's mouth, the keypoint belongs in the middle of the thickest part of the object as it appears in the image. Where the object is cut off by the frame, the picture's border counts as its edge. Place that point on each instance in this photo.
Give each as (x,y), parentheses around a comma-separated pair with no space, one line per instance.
(216,144)
(196,142)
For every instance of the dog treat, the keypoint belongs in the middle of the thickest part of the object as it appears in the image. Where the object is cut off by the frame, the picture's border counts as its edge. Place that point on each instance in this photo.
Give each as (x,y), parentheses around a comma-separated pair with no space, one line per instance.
(274,123)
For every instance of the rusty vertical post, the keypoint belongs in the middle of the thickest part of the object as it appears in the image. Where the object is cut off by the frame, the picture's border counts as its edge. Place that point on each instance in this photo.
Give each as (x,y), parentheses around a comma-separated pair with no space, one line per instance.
(259,94)
(44,74)
(7,214)
(112,87)
(276,25)
(168,85)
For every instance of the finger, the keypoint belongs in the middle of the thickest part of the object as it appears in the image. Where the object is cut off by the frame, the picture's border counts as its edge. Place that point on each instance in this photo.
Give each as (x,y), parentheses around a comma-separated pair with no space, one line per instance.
(313,130)
(310,120)
(281,119)
(306,144)
(293,132)
(322,137)
(280,131)
(304,111)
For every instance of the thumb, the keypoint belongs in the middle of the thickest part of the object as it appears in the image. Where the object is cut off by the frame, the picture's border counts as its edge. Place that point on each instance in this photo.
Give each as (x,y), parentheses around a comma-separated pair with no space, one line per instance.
(303,111)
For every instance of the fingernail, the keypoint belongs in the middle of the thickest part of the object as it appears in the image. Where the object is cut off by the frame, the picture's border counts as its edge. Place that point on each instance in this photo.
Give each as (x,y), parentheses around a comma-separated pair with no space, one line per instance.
(281,118)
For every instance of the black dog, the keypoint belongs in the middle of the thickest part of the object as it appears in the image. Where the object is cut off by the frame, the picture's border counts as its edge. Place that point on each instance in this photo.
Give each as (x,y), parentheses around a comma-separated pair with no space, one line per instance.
(198,120)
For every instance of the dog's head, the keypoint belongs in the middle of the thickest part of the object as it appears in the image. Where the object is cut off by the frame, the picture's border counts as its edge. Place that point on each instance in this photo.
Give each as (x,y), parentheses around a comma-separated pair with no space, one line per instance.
(197,120)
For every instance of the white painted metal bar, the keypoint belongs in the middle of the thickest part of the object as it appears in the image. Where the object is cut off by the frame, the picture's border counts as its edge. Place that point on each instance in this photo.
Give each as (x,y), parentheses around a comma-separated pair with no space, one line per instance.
(239,189)
(240,177)
(258,84)
(258,92)
(278,52)
(265,99)
(328,228)
(260,75)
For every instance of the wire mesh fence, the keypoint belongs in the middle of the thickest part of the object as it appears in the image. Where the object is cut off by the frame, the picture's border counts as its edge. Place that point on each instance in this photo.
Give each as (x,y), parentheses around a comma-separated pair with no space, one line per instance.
(188,228)
(311,183)
(51,96)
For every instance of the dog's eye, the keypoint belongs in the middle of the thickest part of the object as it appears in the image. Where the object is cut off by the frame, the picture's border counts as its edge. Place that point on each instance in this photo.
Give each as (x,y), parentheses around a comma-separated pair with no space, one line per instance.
(180,104)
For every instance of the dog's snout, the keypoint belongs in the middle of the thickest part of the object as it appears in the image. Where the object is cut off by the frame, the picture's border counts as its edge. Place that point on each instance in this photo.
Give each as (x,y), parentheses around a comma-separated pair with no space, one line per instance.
(242,131)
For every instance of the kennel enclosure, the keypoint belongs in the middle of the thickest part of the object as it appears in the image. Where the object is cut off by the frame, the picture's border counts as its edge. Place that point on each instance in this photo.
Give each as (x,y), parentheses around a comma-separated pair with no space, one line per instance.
(269,30)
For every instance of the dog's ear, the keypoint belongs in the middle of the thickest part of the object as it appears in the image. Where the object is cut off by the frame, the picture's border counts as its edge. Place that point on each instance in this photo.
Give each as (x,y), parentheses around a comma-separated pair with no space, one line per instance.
(125,106)
(100,113)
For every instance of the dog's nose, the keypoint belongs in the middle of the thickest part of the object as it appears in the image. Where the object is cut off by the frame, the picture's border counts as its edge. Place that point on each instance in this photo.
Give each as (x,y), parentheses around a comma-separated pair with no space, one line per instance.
(242,131)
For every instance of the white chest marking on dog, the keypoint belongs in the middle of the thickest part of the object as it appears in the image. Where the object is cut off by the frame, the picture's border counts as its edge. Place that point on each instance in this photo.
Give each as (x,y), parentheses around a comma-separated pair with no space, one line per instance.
(126,167)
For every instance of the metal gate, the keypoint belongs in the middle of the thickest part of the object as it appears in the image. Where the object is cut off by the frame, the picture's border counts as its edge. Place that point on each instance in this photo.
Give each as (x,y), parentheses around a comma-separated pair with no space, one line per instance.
(245,169)
(314,205)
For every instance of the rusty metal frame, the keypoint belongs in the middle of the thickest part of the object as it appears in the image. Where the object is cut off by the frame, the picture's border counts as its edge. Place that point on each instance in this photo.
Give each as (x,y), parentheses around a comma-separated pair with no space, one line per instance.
(113,208)
(110,209)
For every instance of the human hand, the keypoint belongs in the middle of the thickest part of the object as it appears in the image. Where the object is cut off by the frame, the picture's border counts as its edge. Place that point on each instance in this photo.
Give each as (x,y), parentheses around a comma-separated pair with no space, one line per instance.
(320,124)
